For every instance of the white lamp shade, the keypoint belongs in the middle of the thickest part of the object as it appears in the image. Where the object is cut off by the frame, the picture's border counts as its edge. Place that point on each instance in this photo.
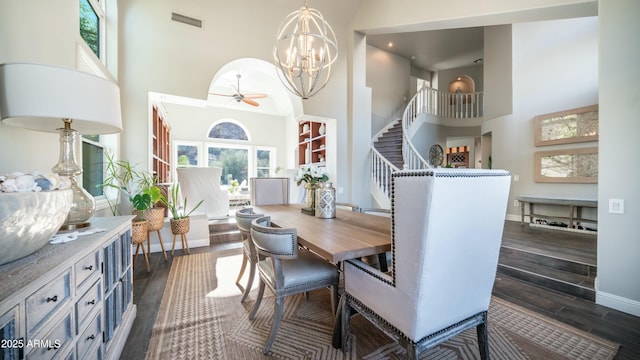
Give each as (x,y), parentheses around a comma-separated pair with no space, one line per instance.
(37,97)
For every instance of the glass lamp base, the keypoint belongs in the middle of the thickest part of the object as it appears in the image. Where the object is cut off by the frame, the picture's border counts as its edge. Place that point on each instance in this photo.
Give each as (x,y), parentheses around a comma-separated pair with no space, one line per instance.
(82,205)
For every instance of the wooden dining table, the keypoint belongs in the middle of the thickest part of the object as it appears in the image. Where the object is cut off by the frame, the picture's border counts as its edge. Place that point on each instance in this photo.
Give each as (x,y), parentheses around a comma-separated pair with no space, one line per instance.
(349,235)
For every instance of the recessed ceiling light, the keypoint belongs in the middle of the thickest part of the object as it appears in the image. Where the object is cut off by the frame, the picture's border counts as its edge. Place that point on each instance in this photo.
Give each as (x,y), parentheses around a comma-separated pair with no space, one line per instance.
(390,44)
(413,57)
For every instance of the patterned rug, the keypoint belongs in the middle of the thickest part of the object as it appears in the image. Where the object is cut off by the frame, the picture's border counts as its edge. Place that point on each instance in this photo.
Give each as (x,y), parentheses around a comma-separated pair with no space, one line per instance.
(201,317)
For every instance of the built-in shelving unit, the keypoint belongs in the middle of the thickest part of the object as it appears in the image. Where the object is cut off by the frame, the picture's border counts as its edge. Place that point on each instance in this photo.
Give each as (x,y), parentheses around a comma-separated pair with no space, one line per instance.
(312,142)
(161,148)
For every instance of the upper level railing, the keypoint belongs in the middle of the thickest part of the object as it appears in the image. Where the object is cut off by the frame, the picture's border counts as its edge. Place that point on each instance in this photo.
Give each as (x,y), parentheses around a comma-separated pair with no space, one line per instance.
(439,104)
(430,102)
(446,105)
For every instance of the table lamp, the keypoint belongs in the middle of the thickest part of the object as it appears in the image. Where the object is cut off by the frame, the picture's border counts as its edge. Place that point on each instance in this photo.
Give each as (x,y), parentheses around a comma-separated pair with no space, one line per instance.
(53,99)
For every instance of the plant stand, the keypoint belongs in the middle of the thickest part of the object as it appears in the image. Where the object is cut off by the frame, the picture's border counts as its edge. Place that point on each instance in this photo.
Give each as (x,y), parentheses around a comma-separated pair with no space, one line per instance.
(139,234)
(155,216)
(180,227)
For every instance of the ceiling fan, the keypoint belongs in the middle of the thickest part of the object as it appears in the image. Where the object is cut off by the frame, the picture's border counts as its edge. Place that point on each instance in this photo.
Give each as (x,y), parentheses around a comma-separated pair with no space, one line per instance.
(240,97)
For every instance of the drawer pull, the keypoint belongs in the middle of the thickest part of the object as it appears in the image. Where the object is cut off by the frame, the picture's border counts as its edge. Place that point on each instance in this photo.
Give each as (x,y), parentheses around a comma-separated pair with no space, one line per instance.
(90,267)
(92,302)
(54,298)
(92,337)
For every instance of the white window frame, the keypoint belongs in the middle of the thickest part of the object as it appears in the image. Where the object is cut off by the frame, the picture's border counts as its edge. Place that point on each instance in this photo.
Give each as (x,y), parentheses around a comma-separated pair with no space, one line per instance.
(242,145)
(99,8)
(272,158)
(174,154)
(203,151)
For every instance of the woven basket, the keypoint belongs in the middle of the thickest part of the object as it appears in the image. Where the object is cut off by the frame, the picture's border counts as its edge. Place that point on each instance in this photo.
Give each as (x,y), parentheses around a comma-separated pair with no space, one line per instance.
(139,231)
(155,216)
(180,226)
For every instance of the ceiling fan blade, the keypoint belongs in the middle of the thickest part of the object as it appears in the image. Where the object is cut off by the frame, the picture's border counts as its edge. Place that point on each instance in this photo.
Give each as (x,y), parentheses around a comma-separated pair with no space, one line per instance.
(255,96)
(218,94)
(250,102)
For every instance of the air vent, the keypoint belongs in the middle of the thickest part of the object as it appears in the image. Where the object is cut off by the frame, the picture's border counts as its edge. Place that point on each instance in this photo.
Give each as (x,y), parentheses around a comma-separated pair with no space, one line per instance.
(186,20)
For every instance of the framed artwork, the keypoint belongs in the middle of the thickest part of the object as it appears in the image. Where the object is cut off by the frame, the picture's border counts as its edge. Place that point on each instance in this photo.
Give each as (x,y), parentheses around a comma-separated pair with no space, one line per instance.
(566,127)
(567,166)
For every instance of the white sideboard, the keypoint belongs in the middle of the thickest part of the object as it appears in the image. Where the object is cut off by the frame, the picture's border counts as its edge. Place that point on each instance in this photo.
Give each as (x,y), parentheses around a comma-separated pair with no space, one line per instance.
(71,300)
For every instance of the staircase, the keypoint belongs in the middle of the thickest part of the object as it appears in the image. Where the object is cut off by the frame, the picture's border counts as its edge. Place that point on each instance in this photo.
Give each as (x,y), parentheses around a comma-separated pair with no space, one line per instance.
(389,144)
(223,231)
(554,260)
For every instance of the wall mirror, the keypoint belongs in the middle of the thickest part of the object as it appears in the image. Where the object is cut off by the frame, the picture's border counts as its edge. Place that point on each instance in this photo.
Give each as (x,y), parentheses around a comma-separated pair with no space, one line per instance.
(567,166)
(570,126)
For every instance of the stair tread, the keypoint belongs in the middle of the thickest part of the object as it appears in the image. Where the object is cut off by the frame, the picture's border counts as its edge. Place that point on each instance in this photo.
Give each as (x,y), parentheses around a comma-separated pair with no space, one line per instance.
(561,275)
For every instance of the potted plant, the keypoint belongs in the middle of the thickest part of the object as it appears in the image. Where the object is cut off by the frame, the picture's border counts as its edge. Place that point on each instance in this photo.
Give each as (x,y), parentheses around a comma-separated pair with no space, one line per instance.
(180,223)
(143,194)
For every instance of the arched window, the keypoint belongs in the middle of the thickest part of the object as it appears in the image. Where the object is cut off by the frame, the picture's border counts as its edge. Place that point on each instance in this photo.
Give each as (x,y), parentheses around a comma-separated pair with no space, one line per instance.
(228,130)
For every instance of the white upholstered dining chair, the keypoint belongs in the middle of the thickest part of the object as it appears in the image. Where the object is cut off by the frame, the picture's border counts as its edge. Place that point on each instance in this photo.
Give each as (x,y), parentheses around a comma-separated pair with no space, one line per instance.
(446,233)
(244,217)
(204,184)
(287,269)
(269,190)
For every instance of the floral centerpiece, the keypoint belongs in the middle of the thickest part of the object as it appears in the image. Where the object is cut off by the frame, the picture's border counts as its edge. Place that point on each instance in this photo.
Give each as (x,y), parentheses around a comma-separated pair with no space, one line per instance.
(312,176)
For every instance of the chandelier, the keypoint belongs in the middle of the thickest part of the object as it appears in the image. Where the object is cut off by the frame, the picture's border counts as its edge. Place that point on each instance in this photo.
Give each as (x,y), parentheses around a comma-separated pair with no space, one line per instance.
(305,51)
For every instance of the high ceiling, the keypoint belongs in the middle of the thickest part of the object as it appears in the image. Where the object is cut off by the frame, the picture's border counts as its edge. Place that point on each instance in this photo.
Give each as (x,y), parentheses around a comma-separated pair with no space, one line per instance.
(429,50)
(436,49)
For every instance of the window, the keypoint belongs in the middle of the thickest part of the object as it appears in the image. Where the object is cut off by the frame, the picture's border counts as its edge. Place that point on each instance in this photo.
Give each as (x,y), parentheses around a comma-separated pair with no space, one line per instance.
(265,161)
(228,130)
(422,82)
(233,159)
(188,154)
(92,25)
(92,164)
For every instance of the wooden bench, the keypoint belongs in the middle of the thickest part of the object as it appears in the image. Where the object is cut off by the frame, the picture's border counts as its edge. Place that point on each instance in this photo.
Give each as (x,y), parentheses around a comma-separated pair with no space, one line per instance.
(575,208)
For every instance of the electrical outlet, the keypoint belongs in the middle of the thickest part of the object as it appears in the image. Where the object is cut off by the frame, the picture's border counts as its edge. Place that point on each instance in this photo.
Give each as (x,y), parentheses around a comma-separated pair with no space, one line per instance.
(340,190)
(616,206)
(516,203)
(516,178)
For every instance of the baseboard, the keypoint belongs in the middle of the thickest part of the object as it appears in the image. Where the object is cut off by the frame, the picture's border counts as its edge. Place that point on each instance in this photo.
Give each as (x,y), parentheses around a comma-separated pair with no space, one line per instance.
(618,303)
(197,236)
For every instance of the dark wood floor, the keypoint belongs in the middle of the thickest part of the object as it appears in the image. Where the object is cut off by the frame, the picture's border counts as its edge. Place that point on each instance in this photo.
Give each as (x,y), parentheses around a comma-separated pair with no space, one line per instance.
(599,320)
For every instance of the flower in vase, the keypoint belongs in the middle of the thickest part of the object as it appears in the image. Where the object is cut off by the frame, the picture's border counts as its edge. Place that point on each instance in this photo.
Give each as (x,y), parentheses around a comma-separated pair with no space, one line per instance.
(312,174)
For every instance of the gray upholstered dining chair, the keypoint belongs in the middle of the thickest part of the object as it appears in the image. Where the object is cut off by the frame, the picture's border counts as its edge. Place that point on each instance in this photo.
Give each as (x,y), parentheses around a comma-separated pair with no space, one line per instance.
(287,269)
(269,190)
(446,237)
(244,217)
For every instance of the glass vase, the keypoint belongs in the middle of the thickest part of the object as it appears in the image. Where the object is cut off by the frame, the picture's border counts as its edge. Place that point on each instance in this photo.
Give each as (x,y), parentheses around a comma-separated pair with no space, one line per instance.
(310,199)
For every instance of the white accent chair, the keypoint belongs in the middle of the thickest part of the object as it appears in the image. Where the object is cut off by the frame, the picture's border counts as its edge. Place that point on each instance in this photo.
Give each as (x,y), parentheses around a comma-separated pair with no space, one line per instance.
(269,190)
(287,269)
(204,184)
(447,229)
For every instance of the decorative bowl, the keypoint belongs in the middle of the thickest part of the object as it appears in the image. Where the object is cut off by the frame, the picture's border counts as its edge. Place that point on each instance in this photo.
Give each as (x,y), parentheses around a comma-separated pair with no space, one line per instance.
(29,219)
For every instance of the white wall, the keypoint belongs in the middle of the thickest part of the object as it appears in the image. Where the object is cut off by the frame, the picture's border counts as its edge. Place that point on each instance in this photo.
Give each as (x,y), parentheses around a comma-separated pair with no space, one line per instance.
(618,246)
(388,76)
(193,124)
(163,56)
(550,73)
(36,31)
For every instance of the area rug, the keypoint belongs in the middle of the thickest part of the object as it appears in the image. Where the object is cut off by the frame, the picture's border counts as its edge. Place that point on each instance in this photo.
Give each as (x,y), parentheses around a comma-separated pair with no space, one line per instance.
(201,317)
